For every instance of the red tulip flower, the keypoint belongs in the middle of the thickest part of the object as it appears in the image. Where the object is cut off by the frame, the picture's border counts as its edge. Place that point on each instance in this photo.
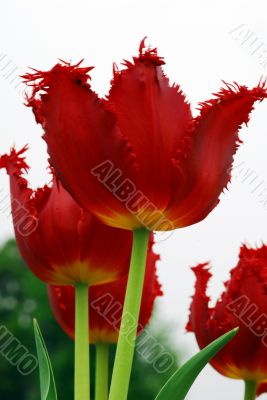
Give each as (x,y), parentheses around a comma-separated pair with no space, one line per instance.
(105,305)
(138,158)
(60,242)
(243,304)
(262,388)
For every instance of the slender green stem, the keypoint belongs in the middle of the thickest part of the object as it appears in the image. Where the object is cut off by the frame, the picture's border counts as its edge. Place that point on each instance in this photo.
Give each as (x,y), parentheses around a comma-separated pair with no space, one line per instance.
(127,336)
(101,375)
(250,390)
(82,372)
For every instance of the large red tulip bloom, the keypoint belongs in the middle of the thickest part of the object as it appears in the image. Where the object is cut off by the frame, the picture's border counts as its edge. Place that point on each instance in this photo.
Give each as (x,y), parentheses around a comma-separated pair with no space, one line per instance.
(139,158)
(243,304)
(60,242)
(105,305)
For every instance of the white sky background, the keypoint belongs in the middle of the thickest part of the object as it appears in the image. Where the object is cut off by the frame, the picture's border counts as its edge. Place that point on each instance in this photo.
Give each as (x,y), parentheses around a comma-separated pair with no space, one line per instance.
(194,38)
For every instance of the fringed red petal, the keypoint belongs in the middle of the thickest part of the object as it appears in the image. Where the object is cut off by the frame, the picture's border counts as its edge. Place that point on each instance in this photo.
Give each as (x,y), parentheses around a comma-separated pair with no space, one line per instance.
(211,142)
(76,120)
(154,117)
(199,309)
(31,200)
(243,304)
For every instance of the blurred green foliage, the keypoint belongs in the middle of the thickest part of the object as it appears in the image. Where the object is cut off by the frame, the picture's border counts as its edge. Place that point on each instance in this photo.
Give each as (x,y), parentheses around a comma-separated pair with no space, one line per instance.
(22,298)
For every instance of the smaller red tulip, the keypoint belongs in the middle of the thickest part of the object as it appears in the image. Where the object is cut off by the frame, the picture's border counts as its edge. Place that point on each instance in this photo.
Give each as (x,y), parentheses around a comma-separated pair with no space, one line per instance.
(105,306)
(61,242)
(244,304)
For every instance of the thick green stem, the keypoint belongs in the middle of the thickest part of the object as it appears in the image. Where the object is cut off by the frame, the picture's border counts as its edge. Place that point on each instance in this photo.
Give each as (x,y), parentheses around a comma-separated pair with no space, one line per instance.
(250,390)
(82,372)
(127,336)
(101,374)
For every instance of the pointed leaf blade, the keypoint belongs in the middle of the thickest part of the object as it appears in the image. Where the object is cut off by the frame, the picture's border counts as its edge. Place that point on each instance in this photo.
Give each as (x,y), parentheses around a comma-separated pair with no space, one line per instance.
(47,381)
(181,381)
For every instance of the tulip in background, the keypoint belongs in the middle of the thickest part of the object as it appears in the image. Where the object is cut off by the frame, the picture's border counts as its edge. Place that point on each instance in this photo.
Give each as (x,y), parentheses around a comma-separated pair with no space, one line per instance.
(64,244)
(244,304)
(105,310)
(137,159)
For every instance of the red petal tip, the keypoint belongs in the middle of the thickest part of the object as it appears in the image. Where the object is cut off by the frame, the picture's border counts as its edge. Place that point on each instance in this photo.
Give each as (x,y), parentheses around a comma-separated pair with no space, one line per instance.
(252,262)
(202,271)
(148,54)
(41,82)
(15,160)
(200,299)
(230,92)
(251,253)
(16,166)
(203,275)
(79,74)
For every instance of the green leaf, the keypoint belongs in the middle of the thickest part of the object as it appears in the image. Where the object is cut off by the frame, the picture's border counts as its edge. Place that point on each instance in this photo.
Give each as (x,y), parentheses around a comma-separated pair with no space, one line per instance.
(181,381)
(47,381)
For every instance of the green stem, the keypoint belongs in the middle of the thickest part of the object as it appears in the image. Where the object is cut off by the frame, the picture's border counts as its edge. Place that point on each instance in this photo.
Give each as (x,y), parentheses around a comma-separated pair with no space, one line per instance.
(101,377)
(250,390)
(82,372)
(127,336)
